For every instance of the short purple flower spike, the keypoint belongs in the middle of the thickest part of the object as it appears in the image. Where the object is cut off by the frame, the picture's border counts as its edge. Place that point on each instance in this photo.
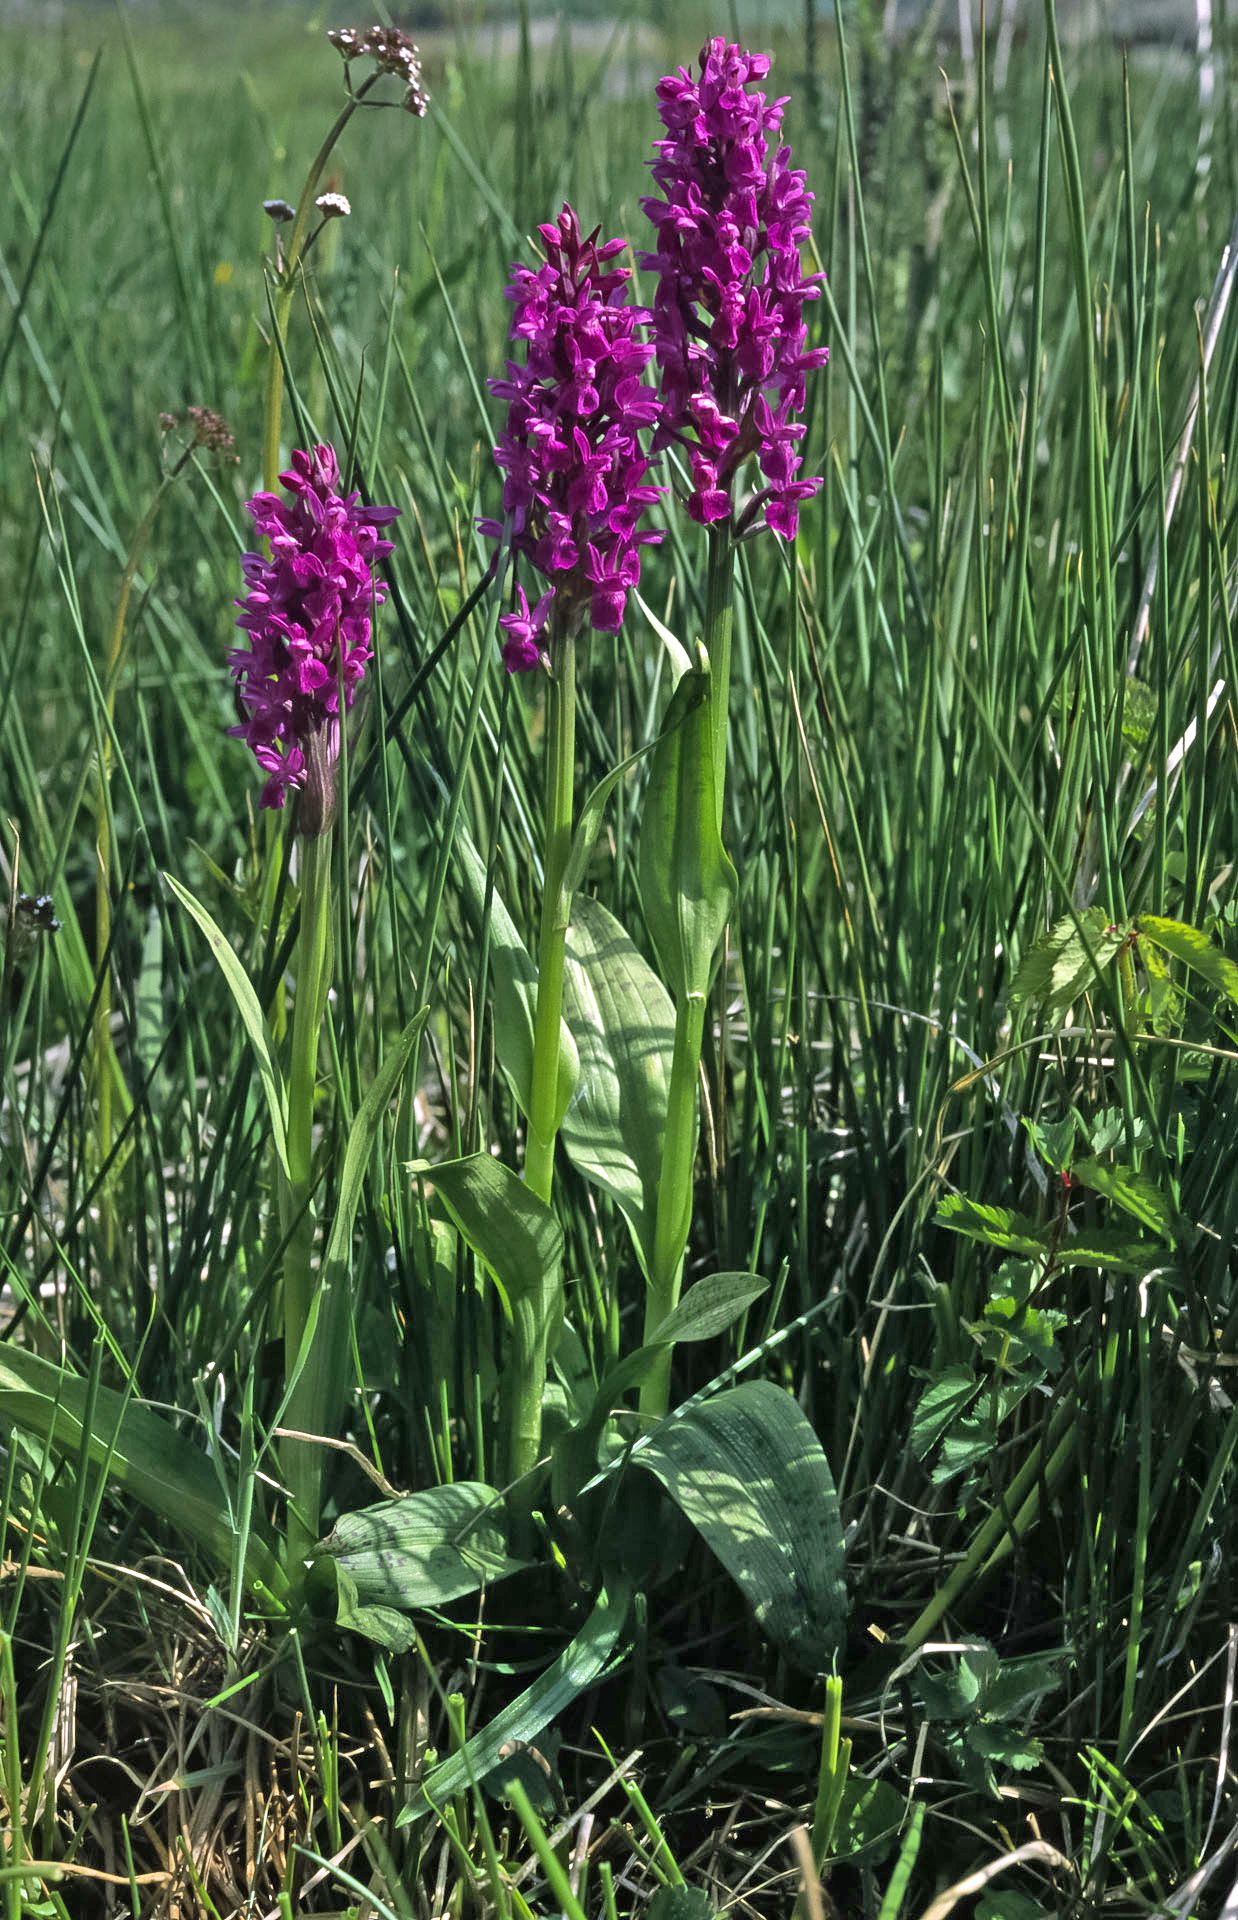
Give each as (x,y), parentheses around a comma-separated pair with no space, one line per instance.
(728,313)
(307,615)
(574,486)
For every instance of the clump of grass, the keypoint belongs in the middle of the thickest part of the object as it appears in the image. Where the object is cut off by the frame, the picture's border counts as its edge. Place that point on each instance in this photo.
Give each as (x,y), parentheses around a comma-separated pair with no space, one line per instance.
(967,1065)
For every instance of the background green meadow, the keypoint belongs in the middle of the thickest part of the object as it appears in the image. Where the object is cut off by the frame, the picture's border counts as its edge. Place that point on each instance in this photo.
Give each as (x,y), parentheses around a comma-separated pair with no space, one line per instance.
(991,686)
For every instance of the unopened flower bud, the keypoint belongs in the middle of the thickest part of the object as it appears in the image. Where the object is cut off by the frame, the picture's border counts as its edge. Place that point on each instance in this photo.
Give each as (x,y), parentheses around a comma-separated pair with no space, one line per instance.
(279,211)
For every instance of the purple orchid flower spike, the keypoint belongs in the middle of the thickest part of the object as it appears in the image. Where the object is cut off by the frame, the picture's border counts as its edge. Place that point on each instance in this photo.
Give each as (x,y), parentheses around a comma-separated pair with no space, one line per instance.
(574,486)
(308,620)
(728,312)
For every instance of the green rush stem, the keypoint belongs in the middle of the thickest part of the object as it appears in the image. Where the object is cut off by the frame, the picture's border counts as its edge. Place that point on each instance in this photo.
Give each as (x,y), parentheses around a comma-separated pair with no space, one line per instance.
(302,1462)
(274,410)
(675,1185)
(107,1070)
(552,940)
(1010,1523)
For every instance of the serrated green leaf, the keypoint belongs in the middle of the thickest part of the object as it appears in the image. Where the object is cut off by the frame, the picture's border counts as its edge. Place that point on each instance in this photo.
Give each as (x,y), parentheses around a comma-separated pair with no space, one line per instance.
(1195,950)
(1134,1192)
(1139,708)
(1015,1233)
(943,1401)
(748,1471)
(996,1226)
(624,1024)
(1165,997)
(252,1018)
(1063,964)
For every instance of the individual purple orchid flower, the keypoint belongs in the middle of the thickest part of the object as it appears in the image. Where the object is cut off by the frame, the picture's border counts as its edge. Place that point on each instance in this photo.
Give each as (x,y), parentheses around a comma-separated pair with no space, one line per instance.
(728,319)
(574,470)
(308,619)
(523,649)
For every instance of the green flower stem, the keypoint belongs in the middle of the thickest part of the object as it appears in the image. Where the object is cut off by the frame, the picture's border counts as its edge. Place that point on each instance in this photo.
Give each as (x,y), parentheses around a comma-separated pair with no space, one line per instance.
(675,1187)
(534,1320)
(302,1462)
(560,782)
(719,623)
(674,1194)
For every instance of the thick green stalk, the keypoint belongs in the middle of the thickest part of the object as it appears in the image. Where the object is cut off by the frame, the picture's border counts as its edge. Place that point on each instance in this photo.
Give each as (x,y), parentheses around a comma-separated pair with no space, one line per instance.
(675,1187)
(302,1462)
(552,940)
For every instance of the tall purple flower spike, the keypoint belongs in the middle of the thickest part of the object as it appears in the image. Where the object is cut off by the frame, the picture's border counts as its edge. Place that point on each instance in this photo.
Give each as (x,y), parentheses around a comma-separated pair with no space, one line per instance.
(574,486)
(307,616)
(728,313)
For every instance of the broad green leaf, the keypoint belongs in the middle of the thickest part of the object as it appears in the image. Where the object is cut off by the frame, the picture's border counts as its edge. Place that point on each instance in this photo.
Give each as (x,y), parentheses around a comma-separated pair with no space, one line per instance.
(624,1024)
(142,1452)
(425,1549)
(385,1626)
(748,1471)
(514,978)
(1195,950)
(707,1308)
(870,1816)
(513,1232)
(687,881)
(681,1903)
(577,1667)
(252,1018)
(1134,1192)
